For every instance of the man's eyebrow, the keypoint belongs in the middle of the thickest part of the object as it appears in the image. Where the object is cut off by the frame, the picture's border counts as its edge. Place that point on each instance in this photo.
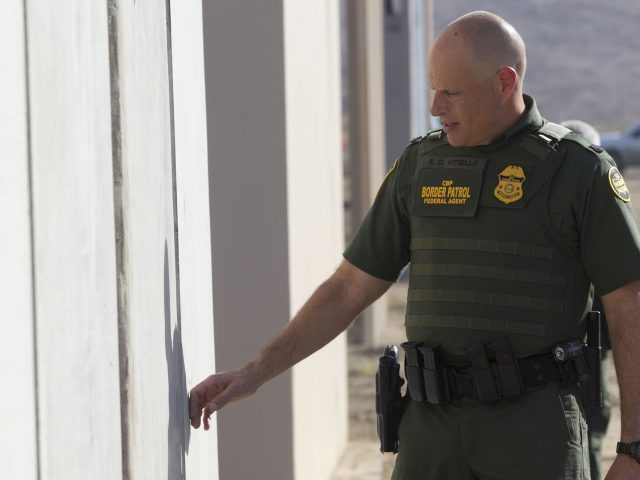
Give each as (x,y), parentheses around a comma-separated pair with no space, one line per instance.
(444,90)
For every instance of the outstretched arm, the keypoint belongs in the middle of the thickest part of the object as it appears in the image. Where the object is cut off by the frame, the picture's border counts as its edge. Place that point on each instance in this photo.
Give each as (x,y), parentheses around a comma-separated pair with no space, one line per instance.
(622,307)
(327,313)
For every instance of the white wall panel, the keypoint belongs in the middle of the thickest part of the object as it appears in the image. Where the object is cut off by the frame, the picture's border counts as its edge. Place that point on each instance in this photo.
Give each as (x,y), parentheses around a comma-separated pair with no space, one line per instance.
(156,379)
(60,414)
(316,224)
(75,288)
(18,440)
(192,181)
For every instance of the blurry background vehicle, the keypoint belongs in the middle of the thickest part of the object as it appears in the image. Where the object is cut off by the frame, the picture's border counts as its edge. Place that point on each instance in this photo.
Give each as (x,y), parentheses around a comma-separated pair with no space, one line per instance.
(624,146)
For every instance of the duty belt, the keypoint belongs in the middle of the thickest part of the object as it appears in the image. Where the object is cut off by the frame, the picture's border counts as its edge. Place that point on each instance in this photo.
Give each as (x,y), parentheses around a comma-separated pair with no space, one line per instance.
(494,372)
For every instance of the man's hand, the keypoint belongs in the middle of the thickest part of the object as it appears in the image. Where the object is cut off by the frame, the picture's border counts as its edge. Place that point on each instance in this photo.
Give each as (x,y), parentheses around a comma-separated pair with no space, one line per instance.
(624,468)
(215,391)
(326,314)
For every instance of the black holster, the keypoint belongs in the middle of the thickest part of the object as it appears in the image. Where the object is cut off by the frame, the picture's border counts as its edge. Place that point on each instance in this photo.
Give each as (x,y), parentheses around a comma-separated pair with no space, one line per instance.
(389,402)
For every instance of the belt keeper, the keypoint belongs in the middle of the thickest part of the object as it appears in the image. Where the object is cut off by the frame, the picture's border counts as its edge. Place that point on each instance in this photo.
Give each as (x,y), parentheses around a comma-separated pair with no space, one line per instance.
(508,371)
(435,377)
(482,373)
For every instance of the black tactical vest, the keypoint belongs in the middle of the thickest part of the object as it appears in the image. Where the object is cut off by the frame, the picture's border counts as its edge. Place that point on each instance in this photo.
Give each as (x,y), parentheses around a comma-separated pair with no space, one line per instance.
(486,260)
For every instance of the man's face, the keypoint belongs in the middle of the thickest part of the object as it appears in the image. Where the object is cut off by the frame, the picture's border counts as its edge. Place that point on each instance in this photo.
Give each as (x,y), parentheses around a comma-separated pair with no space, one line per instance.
(464,97)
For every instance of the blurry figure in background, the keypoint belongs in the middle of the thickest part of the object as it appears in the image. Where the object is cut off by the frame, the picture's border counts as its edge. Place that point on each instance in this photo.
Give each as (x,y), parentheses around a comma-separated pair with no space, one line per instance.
(585,129)
(597,417)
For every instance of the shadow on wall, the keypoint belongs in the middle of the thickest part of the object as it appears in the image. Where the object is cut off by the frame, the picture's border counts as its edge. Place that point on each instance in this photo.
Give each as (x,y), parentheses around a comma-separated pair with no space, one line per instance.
(178,434)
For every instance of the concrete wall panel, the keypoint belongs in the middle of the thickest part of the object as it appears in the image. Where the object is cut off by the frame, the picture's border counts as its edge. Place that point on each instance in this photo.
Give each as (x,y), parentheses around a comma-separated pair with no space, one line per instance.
(196,306)
(74,256)
(18,440)
(275,170)
(155,377)
(315,221)
(246,139)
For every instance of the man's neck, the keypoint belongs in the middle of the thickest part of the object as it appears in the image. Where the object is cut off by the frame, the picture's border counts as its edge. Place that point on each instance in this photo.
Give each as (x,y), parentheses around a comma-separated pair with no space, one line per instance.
(513,113)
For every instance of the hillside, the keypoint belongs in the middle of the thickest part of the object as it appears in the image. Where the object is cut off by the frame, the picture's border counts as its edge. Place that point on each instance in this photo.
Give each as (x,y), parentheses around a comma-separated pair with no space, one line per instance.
(583,55)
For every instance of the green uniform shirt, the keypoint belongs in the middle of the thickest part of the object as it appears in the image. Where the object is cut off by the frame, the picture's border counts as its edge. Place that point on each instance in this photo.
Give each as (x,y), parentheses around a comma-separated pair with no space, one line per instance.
(588,206)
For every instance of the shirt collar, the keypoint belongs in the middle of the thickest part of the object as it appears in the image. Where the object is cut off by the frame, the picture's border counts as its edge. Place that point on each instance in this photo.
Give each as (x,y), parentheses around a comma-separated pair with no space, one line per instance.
(529,121)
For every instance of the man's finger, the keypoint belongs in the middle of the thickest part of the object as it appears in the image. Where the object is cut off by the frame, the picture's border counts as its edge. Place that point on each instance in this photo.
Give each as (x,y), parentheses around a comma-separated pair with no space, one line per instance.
(207,419)
(211,408)
(195,406)
(195,409)
(195,421)
(206,414)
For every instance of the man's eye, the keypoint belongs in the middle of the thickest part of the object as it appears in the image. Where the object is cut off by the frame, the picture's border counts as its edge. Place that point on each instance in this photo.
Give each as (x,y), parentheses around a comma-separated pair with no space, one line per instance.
(451,94)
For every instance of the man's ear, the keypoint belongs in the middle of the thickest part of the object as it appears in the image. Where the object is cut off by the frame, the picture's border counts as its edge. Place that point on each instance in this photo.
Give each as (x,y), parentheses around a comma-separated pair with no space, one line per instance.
(507,81)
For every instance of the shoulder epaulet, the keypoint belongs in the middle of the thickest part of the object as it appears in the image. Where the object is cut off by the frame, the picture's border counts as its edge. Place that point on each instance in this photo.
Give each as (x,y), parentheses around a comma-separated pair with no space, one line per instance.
(436,134)
(415,140)
(596,148)
(592,148)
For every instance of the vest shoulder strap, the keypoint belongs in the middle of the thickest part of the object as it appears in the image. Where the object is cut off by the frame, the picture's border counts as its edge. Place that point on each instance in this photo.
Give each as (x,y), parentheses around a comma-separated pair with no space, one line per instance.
(545,140)
(546,137)
(553,130)
(432,140)
(558,132)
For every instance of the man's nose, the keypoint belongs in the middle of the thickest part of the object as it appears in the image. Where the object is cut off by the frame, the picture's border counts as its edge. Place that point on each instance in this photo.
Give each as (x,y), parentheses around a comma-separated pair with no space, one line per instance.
(437,105)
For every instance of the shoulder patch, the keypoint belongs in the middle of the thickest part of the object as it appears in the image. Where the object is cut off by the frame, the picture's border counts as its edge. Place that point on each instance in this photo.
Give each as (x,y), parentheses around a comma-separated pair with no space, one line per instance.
(618,186)
(596,148)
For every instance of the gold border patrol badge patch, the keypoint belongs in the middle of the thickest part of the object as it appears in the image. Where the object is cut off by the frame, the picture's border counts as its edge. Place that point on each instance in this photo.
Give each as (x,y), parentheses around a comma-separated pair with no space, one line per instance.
(510,182)
(618,186)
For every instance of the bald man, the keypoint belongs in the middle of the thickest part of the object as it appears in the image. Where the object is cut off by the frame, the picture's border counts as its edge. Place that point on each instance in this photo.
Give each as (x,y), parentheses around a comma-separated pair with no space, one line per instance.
(507,222)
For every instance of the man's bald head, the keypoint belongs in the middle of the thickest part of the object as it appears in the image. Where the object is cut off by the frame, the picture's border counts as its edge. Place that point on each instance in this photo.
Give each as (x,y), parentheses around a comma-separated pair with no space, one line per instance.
(476,69)
(490,40)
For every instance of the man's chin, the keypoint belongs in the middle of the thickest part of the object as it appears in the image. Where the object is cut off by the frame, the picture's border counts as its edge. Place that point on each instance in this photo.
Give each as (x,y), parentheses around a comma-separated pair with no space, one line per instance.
(455,142)
(458,141)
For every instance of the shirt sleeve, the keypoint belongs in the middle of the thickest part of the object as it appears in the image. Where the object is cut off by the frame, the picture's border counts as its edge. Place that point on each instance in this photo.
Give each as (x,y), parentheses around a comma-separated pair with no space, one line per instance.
(609,233)
(381,244)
